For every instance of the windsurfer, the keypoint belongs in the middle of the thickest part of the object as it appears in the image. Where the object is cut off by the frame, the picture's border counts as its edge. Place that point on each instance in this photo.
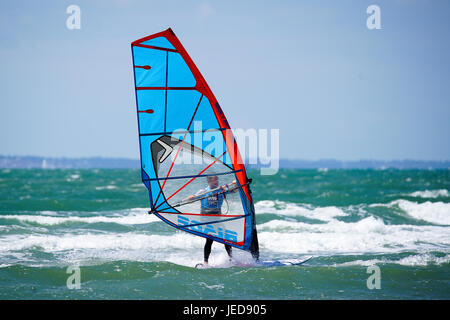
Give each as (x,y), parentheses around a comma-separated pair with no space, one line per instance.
(212,198)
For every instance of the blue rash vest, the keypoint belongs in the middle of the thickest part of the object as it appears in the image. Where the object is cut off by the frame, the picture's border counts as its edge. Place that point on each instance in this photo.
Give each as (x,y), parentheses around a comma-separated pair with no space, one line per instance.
(212,201)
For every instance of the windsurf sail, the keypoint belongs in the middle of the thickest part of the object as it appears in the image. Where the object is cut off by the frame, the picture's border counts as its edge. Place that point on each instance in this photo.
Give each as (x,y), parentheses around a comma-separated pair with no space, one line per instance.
(189,157)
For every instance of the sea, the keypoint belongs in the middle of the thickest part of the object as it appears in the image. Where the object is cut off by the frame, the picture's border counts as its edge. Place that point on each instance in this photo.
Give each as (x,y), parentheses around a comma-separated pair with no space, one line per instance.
(87,234)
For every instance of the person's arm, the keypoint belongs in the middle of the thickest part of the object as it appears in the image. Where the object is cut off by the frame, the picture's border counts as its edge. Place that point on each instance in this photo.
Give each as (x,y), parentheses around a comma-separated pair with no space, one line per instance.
(196,195)
(231,188)
(234,185)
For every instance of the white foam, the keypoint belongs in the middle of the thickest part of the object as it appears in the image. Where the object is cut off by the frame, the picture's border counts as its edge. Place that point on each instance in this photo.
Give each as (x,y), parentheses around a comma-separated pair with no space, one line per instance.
(423,260)
(276,237)
(49,213)
(212,286)
(102,241)
(369,235)
(108,187)
(291,209)
(364,263)
(73,177)
(180,248)
(430,194)
(410,261)
(131,217)
(434,212)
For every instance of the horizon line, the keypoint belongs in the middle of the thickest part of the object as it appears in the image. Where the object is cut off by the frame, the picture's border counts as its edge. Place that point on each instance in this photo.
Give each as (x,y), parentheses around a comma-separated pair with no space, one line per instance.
(248,160)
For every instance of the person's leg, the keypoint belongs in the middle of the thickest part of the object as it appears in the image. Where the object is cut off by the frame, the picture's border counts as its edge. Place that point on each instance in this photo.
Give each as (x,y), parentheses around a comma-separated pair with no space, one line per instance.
(207,250)
(229,250)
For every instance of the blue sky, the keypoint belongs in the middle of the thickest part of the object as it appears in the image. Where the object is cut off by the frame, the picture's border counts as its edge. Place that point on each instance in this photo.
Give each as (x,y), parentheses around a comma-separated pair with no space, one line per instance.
(334,88)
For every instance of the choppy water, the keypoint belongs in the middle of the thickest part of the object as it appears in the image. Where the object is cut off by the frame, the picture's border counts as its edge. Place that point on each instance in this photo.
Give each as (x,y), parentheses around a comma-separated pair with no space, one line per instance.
(398,220)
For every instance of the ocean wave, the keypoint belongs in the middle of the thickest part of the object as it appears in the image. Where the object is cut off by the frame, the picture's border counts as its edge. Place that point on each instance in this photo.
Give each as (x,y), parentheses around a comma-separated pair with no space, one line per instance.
(291,209)
(102,241)
(335,237)
(90,249)
(433,212)
(369,235)
(277,238)
(108,187)
(430,194)
(410,261)
(87,249)
(128,217)
(73,177)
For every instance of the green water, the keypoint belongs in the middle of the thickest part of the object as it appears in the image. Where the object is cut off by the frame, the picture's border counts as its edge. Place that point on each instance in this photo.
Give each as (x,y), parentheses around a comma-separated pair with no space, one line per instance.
(349,220)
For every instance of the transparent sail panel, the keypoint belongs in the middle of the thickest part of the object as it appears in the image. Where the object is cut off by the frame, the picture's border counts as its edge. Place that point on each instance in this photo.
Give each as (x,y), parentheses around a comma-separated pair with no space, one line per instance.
(196,182)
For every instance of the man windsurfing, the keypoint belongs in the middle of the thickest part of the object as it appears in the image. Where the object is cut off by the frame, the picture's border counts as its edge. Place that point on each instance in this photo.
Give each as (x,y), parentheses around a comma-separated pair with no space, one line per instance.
(211,200)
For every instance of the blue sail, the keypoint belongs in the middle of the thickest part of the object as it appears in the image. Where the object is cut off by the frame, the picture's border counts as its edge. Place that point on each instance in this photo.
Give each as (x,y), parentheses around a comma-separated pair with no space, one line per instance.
(174,104)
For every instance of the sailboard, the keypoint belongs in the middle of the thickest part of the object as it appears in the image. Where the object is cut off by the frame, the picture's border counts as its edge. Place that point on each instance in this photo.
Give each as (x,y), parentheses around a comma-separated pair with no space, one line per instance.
(184,139)
(268,264)
(286,262)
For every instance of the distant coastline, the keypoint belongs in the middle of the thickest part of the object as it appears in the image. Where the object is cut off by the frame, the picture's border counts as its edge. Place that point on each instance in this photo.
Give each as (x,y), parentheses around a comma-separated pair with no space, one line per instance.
(30,162)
